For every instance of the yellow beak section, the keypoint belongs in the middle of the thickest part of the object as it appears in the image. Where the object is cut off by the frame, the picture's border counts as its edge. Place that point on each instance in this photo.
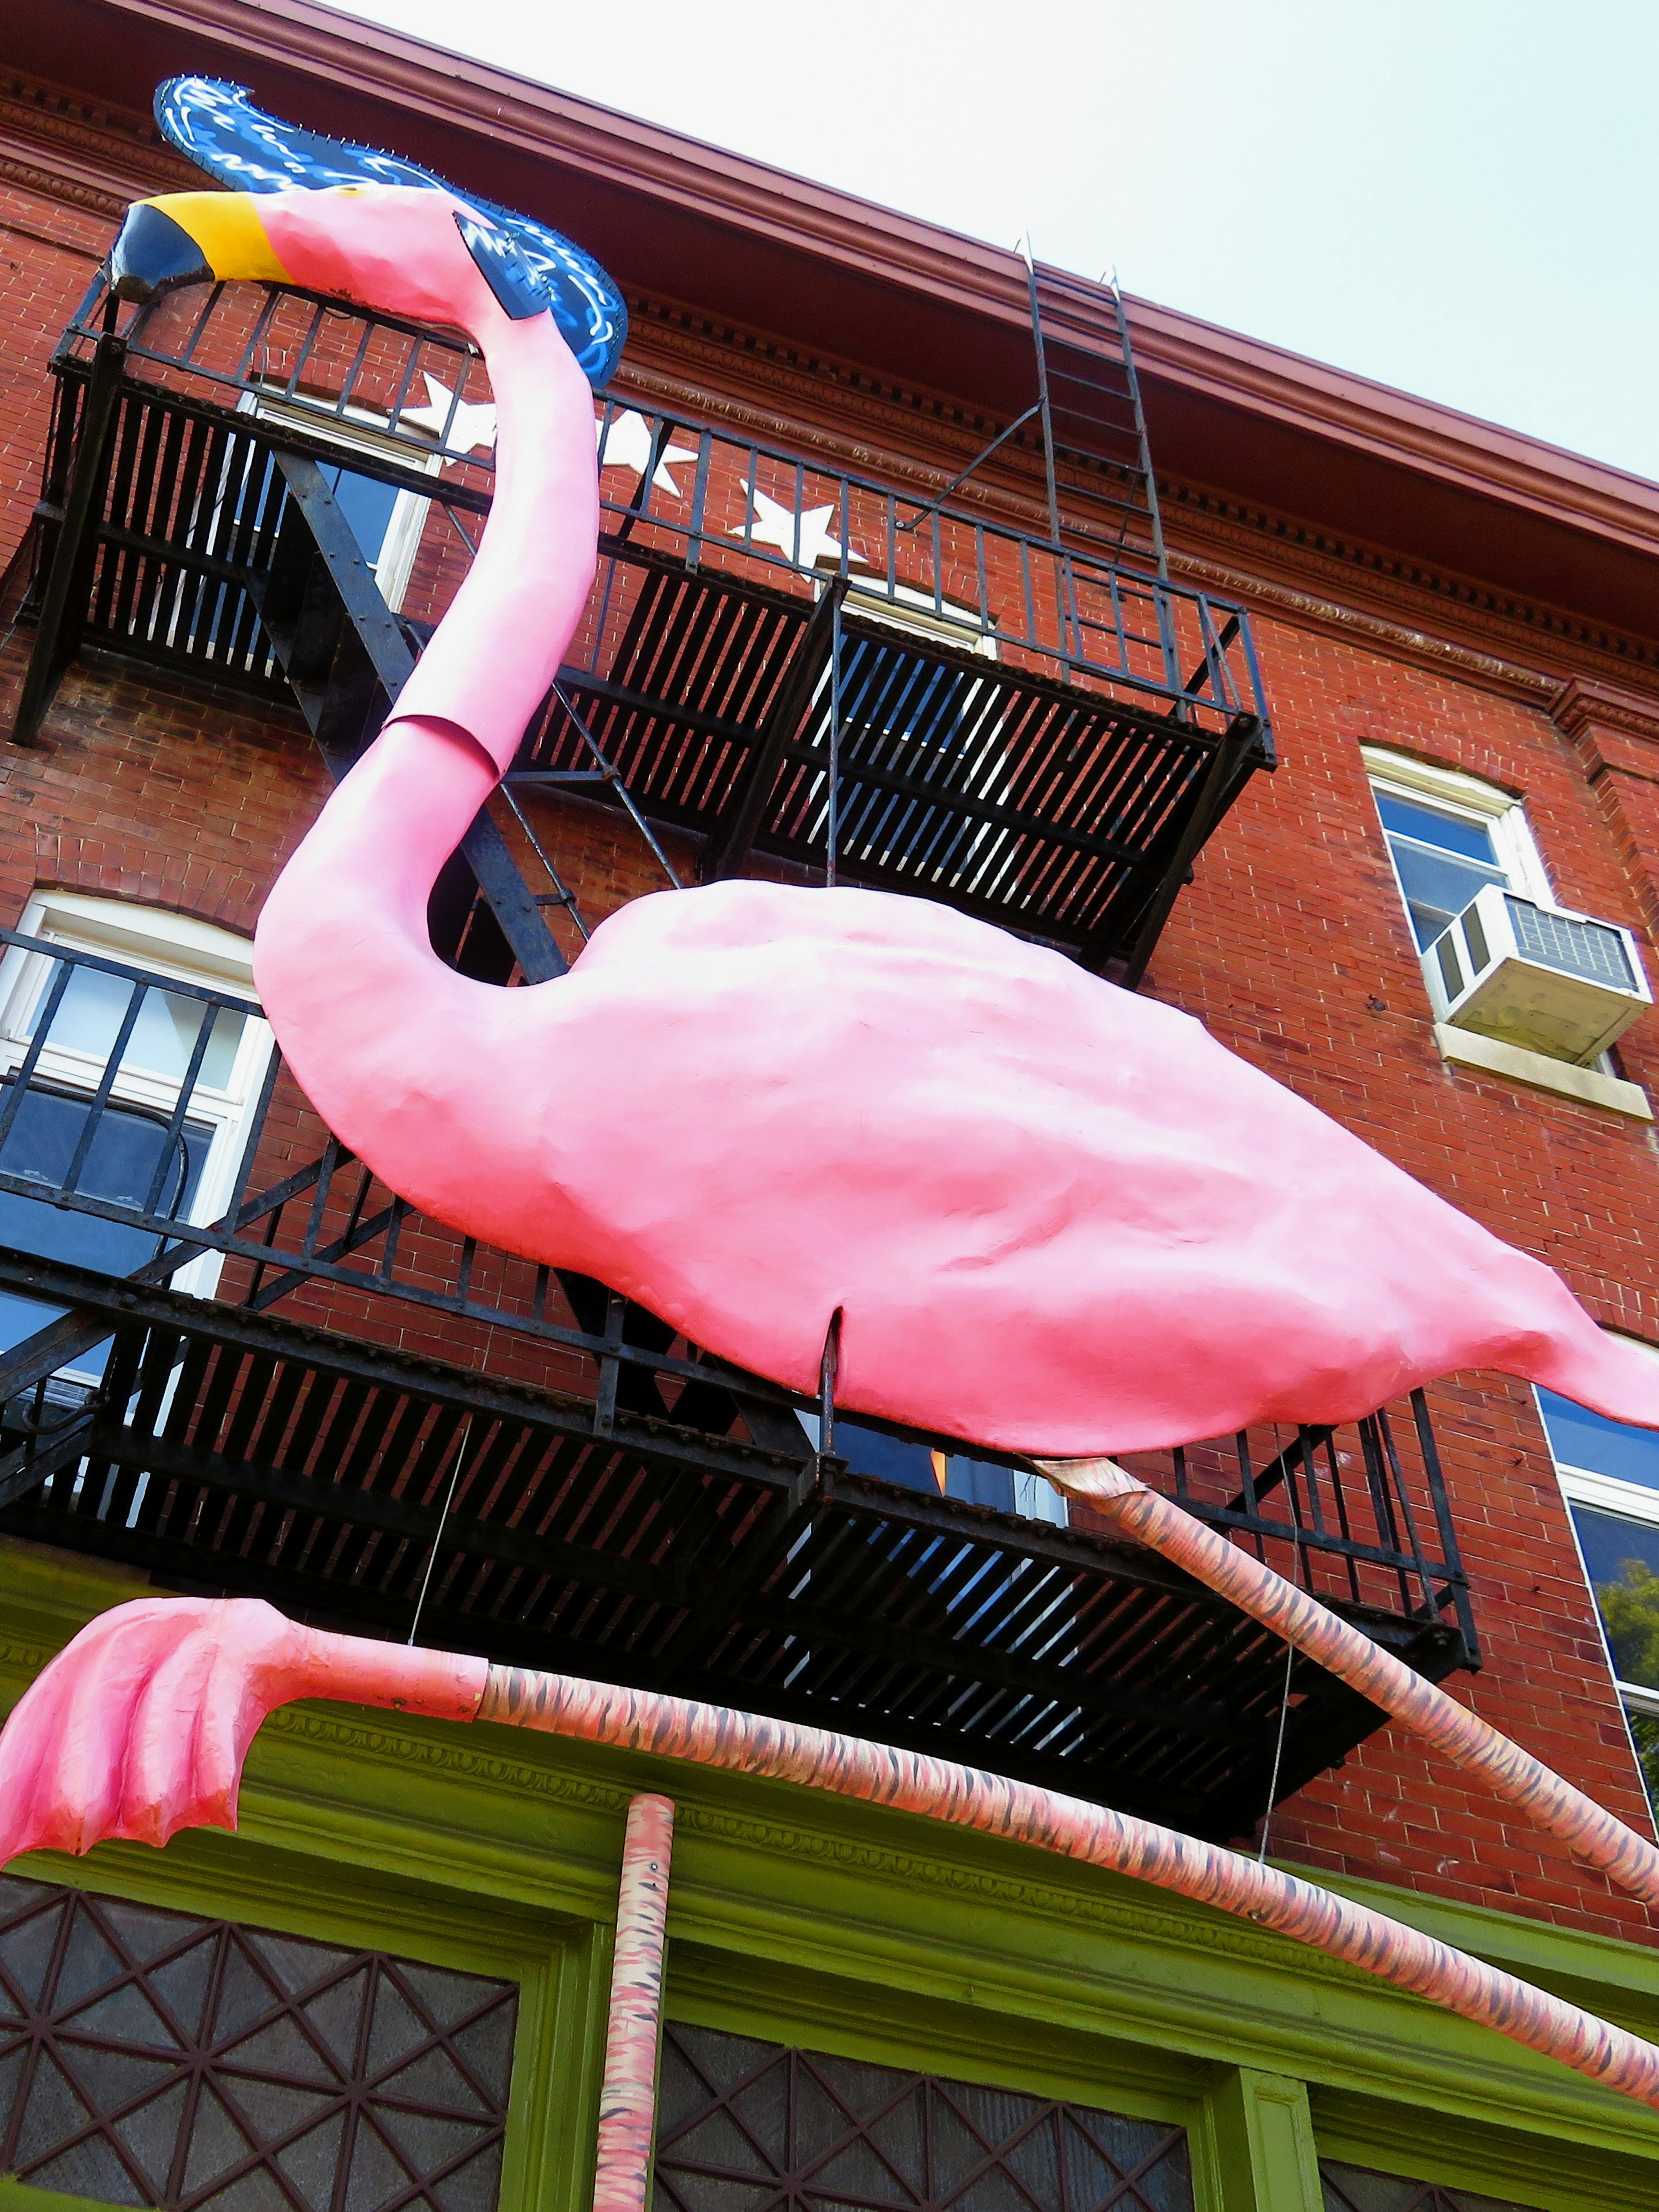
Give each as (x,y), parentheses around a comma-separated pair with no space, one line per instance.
(192,238)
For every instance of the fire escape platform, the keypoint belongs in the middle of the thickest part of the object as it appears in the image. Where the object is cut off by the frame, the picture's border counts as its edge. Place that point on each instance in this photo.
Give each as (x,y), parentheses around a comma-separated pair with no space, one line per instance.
(234,1453)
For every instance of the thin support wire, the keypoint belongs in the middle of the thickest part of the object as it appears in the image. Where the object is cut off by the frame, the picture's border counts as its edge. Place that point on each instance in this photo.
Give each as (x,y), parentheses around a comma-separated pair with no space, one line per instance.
(449,1499)
(1279,1755)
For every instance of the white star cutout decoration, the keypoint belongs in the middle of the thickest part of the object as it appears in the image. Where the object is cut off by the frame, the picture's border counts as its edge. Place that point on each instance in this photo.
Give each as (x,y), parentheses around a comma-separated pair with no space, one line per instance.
(626,445)
(773,525)
(473,426)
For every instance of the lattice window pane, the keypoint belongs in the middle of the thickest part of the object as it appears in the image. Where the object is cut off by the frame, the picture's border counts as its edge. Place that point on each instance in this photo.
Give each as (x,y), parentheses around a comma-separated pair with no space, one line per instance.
(744,2126)
(1356,2188)
(153,2059)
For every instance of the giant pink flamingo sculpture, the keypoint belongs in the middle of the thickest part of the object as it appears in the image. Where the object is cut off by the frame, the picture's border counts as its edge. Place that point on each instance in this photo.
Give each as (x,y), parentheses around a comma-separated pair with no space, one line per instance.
(1056,1216)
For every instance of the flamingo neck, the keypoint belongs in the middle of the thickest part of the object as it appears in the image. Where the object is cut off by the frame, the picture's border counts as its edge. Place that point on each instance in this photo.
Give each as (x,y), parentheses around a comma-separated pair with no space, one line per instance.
(343,957)
(497,650)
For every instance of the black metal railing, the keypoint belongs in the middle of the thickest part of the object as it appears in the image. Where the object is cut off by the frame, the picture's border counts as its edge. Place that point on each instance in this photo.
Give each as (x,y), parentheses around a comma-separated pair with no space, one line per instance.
(710,499)
(1360,1515)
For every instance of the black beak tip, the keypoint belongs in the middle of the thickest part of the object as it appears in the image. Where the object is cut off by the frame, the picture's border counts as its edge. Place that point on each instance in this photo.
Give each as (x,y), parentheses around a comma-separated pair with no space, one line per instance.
(152,254)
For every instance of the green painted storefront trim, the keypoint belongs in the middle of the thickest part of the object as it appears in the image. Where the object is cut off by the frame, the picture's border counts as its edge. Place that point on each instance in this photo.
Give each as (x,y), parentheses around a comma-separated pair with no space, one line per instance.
(796,1916)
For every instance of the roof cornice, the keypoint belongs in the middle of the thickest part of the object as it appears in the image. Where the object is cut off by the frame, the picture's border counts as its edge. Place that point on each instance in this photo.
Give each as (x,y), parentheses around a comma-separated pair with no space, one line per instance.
(829,272)
(914,255)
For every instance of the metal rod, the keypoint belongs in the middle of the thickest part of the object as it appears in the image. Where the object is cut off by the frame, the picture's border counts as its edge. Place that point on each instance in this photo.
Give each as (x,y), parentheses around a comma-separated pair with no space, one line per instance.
(613,777)
(978,462)
(633,2036)
(1154,514)
(832,826)
(438,1534)
(1042,390)
(59,629)
(829,1373)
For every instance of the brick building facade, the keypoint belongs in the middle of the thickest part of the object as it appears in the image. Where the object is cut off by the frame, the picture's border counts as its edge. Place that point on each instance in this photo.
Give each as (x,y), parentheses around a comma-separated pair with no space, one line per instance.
(1430,599)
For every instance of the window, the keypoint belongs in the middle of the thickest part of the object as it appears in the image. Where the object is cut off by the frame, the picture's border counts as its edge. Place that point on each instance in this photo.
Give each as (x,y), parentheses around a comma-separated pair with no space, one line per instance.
(1449,837)
(1356,2188)
(150,2057)
(916,1467)
(1610,1474)
(134,1157)
(385,520)
(743,2123)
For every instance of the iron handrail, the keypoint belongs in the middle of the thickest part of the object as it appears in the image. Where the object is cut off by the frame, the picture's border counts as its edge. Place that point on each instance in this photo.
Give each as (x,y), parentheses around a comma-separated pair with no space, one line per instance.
(1079,615)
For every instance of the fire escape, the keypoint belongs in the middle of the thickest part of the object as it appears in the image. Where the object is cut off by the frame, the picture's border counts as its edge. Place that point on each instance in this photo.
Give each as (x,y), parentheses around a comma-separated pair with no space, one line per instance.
(783,666)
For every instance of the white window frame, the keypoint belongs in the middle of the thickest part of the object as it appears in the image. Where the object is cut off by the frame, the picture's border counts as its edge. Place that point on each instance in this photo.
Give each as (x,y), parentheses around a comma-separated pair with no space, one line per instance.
(172,947)
(1621,1501)
(1500,813)
(359,431)
(941,622)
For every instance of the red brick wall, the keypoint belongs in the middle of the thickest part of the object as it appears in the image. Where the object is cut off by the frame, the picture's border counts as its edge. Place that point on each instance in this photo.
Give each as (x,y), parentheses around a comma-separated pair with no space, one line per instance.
(48,256)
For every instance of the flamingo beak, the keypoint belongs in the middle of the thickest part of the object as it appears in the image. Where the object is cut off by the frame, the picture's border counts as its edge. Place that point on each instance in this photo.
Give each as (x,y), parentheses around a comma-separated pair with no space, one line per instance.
(190,238)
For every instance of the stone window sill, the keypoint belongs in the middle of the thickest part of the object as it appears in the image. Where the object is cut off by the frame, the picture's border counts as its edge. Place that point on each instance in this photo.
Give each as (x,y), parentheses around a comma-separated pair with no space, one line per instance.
(1468,1049)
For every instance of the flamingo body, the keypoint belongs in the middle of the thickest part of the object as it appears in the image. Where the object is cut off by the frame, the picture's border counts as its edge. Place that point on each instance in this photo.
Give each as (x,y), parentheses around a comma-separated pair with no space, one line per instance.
(1058,1217)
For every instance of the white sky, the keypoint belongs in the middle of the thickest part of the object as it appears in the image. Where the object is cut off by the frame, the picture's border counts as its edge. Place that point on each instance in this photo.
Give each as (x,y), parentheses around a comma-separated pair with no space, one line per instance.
(1456,196)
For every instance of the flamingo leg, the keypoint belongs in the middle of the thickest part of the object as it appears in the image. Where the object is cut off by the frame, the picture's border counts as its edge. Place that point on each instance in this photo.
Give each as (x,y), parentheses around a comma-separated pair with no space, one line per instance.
(139,1728)
(1594,1836)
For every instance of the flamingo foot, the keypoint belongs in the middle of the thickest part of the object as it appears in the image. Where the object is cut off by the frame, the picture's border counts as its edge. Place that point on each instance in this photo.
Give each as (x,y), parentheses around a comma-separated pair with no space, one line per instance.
(139,1727)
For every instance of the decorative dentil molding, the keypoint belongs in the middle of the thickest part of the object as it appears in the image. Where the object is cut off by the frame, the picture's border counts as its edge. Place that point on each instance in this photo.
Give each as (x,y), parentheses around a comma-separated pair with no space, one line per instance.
(1582,707)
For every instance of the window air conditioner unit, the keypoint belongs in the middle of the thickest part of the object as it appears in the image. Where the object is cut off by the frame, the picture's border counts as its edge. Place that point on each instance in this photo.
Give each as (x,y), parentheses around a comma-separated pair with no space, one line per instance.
(1533,976)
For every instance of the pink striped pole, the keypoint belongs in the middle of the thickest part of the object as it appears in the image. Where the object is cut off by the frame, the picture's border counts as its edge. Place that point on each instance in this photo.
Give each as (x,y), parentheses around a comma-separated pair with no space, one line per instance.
(1592,1835)
(628,2100)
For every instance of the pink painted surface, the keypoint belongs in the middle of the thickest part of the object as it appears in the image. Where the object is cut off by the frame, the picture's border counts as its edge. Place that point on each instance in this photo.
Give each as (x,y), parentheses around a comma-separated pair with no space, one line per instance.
(1593,1835)
(627,2096)
(139,1727)
(1058,1217)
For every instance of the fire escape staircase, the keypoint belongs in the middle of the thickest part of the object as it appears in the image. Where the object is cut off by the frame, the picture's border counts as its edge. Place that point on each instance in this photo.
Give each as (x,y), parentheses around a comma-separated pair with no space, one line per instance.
(666,1522)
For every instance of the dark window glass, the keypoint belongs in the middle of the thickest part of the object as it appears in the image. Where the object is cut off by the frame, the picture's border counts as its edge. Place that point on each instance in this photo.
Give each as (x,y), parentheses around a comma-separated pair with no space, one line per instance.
(1353,2189)
(1581,1438)
(152,2058)
(129,1155)
(743,2123)
(366,504)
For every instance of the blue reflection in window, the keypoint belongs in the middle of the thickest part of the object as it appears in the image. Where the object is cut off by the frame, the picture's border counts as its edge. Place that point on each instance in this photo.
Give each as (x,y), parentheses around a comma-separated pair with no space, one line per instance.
(1448,831)
(366,504)
(913,1467)
(1581,1438)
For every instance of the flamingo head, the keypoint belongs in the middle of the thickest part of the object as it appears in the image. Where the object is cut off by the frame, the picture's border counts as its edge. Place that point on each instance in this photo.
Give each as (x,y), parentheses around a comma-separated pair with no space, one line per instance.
(395,248)
(371,228)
